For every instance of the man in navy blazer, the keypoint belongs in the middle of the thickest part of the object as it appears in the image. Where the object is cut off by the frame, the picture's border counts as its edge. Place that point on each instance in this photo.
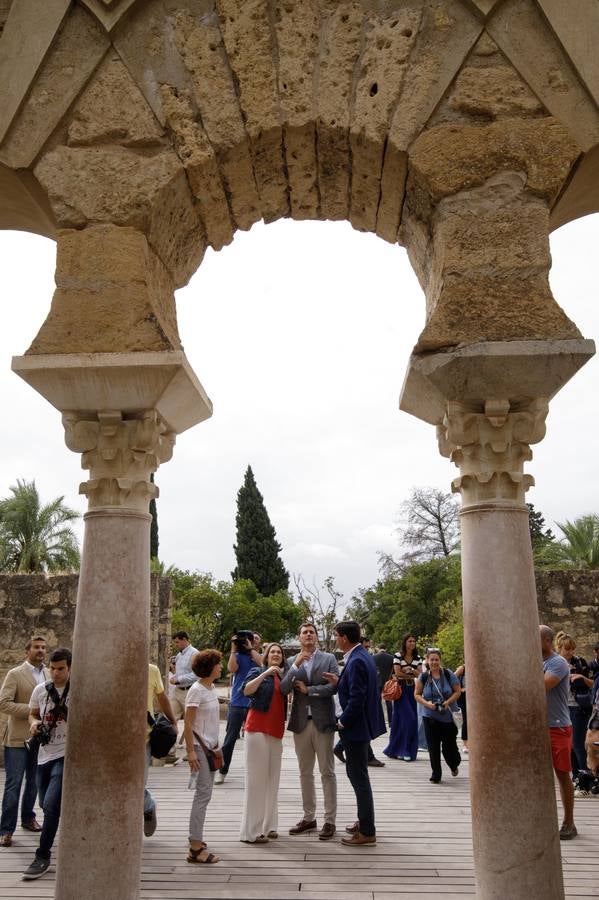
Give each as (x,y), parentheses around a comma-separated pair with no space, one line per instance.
(360,722)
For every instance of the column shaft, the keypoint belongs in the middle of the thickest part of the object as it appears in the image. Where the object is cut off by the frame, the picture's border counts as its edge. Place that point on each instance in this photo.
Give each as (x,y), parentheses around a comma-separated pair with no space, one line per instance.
(514,816)
(102,809)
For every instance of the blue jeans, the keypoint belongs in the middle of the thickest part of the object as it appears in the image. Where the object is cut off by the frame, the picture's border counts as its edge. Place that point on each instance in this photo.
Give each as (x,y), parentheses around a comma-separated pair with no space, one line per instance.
(18,763)
(49,784)
(149,802)
(235,720)
(356,766)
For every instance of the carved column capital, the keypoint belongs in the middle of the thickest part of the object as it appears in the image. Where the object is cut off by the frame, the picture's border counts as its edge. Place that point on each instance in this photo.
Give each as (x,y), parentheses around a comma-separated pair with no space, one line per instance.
(490,446)
(120,450)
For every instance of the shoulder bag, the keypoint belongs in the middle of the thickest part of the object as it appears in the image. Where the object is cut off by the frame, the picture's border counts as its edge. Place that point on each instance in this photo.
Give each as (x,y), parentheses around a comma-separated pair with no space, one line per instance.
(391,690)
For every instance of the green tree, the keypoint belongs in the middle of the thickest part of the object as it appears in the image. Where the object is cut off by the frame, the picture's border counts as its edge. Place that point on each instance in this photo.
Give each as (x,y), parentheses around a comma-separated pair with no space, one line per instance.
(580,547)
(153,526)
(539,535)
(257,549)
(211,611)
(412,601)
(36,537)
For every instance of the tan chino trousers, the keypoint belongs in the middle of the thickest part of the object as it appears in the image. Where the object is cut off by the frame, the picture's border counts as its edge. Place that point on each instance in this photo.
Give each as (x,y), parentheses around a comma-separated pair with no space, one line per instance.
(311,744)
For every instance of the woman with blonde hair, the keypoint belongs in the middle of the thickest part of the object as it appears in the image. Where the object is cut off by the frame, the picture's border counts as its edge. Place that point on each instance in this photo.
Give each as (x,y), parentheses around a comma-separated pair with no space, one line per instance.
(579,700)
(264,728)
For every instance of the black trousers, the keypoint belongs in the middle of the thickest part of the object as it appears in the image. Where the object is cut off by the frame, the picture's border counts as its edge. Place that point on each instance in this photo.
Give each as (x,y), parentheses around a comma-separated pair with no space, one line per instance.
(441,739)
(356,766)
(462,705)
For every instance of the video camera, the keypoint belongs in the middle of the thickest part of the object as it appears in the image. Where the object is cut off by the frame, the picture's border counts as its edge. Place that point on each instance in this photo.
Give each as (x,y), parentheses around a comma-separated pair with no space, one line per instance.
(240,640)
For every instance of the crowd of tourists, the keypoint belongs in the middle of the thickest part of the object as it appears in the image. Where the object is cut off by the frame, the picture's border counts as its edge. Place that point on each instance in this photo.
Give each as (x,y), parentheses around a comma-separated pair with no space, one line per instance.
(319,697)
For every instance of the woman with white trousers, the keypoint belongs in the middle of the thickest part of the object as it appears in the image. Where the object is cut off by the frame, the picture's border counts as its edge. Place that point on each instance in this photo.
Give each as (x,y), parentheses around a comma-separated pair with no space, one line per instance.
(264,728)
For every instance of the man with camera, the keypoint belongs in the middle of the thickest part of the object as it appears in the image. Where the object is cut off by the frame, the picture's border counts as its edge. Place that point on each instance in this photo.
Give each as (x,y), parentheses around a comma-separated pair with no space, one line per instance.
(20,762)
(48,713)
(242,658)
(312,722)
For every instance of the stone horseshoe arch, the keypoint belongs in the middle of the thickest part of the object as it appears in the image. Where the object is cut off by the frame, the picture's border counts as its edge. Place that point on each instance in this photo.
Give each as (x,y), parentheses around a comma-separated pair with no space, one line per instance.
(136,134)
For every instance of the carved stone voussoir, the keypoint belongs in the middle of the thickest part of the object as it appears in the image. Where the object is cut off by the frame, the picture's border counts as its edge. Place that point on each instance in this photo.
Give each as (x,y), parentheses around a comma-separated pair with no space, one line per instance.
(120,451)
(490,446)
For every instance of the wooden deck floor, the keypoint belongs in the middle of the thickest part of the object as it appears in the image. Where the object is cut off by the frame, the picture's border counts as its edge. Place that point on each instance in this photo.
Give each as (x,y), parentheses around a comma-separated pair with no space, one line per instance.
(435,863)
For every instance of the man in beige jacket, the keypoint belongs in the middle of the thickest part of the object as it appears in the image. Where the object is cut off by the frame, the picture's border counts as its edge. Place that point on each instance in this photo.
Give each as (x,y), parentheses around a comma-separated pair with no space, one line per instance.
(19,762)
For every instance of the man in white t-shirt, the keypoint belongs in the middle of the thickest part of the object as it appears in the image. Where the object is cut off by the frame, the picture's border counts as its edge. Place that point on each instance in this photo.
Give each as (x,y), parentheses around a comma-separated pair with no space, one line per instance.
(48,712)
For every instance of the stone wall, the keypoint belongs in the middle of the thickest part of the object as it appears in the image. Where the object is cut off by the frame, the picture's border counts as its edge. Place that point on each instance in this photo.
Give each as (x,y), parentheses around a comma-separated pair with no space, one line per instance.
(45,605)
(569,601)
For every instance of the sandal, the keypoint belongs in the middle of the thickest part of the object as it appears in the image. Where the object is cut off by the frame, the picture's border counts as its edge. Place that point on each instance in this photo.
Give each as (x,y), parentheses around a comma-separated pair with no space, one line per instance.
(195,856)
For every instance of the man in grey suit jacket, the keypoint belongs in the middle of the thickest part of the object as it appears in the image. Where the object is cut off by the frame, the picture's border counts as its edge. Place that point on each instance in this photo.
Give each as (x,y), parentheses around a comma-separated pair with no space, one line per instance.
(312,722)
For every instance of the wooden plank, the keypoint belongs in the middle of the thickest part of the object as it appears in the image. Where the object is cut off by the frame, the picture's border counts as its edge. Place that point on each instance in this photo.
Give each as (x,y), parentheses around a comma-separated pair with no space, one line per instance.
(436,862)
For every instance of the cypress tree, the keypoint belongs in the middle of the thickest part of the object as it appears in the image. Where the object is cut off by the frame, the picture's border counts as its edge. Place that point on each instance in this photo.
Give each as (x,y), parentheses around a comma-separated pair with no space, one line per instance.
(153,526)
(257,549)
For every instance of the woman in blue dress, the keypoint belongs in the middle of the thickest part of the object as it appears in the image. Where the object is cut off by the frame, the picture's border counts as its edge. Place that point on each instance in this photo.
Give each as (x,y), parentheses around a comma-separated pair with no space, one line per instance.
(403,740)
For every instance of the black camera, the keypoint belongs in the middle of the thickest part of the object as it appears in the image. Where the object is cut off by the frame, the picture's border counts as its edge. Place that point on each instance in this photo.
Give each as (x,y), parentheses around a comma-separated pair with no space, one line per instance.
(241,639)
(440,707)
(40,738)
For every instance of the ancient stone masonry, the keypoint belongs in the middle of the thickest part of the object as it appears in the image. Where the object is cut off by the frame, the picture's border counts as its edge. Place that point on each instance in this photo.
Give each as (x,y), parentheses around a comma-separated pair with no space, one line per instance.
(569,601)
(463,129)
(137,133)
(45,604)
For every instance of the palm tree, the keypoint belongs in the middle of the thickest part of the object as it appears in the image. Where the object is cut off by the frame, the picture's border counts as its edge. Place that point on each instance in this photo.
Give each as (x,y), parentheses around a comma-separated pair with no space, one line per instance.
(36,538)
(581,545)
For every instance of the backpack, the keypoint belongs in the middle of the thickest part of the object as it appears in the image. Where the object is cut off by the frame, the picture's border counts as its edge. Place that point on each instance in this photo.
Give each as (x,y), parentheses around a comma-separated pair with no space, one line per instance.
(162,736)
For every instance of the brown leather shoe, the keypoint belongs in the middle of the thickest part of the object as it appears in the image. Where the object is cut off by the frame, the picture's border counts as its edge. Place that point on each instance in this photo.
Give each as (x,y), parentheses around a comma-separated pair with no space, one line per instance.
(376,763)
(358,840)
(303,826)
(32,825)
(353,829)
(326,832)
(6,840)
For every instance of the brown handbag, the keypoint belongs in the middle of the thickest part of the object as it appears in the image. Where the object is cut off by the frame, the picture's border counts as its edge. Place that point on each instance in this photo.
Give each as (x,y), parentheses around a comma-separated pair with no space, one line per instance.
(391,690)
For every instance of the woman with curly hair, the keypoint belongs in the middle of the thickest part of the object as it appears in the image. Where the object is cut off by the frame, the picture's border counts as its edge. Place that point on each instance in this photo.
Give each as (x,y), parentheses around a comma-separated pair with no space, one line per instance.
(264,727)
(201,735)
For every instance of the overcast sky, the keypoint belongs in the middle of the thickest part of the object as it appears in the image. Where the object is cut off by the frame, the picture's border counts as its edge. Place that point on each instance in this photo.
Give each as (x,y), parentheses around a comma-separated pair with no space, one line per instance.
(300,333)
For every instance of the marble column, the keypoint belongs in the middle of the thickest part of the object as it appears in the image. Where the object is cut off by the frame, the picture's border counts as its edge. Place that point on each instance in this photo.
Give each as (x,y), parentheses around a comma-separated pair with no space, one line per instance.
(514,816)
(489,402)
(121,412)
(101,826)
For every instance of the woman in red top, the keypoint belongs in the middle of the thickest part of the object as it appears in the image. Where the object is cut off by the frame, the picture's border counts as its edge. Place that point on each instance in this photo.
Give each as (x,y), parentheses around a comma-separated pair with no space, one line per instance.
(264,727)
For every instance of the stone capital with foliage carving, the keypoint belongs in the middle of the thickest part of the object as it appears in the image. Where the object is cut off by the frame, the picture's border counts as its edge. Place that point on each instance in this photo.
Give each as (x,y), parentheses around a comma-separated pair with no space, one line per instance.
(121,451)
(490,446)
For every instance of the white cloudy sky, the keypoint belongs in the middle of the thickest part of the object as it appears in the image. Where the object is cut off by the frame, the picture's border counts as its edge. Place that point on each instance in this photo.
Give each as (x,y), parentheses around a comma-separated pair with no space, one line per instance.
(300,334)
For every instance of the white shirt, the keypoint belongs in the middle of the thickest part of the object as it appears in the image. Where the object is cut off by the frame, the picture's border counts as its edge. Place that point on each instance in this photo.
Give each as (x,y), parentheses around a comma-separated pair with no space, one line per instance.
(38,674)
(58,739)
(183,672)
(349,652)
(206,722)
(308,665)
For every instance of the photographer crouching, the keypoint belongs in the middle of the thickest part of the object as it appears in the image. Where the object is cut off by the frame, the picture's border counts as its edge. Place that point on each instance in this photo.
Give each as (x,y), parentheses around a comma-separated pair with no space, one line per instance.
(48,713)
(243,657)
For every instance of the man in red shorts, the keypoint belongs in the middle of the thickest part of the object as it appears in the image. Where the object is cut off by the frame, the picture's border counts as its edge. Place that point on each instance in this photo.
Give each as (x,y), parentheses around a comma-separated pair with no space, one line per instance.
(557,681)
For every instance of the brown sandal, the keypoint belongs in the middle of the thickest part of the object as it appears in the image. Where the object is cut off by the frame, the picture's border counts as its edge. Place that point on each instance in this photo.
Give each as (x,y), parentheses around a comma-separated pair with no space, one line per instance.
(195,856)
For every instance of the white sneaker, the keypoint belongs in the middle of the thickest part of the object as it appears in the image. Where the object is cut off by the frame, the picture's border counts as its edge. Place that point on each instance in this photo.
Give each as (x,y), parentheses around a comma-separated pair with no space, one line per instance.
(219,778)
(581,795)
